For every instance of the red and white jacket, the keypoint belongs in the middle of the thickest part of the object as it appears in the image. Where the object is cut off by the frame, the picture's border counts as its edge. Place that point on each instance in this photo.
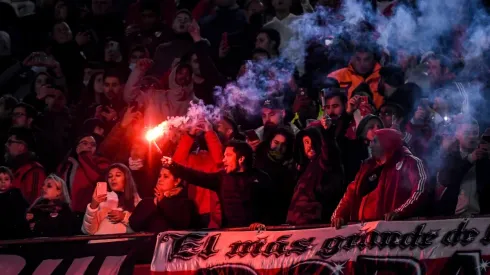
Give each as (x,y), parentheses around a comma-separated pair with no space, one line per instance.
(402,186)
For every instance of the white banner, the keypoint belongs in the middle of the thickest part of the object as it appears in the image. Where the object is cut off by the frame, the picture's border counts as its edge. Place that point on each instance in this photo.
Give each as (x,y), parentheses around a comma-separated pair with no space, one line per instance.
(423,247)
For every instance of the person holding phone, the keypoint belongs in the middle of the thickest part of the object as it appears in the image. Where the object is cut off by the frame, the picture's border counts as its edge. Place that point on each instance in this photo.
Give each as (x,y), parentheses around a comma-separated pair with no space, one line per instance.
(112,203)
(463,180)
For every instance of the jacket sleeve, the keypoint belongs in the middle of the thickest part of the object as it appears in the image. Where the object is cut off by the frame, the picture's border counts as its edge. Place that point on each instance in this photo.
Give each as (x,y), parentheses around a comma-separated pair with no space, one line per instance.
(209,181)
(91,221)
(417,177)
(35,180)
(142,214)
(344,209)
(183,148)
(110,146)
(133,79)
(93,167)
(214,146)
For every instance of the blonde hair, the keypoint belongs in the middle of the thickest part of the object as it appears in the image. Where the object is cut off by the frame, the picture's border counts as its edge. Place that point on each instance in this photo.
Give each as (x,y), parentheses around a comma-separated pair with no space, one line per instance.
(61,185)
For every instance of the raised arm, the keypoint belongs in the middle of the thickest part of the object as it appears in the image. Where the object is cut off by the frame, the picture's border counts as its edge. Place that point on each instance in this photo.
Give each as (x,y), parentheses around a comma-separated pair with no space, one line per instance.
(209,181)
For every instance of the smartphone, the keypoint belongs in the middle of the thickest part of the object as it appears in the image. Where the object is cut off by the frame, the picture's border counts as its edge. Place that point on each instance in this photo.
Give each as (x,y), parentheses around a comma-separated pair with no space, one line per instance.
(328,41)
(251,135)
(101,188)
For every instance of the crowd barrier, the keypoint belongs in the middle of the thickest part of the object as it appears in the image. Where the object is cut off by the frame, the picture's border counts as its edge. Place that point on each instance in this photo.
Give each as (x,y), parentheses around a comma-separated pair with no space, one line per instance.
(449,246)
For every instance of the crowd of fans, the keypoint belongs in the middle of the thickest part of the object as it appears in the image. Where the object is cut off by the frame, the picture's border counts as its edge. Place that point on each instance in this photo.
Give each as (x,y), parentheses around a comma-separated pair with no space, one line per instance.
(356,133)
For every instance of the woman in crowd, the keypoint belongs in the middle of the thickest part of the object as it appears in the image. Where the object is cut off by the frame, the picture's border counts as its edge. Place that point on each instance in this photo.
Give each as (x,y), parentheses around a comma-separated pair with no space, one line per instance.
(81,170)
(50,215)
(109,211)
(169,209)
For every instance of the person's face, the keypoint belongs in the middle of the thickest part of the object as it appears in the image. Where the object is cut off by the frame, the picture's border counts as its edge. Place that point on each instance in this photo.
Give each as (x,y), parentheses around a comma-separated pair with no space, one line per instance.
(195,65)
(230,160)
(254,8)
(434,70)
(166,181)
(99,84)
(181,23)
(100,7)
(5,182)
(56,102)
(224,129)
(60,11)
(51,191)
(135,56)
(183,76)
(148,19)
(363,63)
(116,180)
(468,136)
(41,80)
(87,144)
(308,147)
(386,115)
(271,116)
(278,147)
(334,107)
(15,147)
(281,4)
(262,41)
(19,117)
(62,33)
(371,128)
(112,52)
(376,149)
(112,87)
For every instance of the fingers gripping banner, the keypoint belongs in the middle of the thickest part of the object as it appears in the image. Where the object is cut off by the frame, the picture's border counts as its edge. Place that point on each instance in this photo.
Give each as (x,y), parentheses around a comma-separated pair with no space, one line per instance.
(407,247)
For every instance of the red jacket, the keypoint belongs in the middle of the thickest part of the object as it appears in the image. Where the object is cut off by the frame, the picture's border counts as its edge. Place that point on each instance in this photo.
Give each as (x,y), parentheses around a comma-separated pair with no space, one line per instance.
(204,161)
(81,177)
(29,178)
(402,186)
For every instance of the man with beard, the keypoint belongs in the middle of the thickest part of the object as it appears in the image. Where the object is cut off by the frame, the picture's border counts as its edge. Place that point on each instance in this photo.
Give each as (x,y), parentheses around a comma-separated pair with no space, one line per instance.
(244,192)
(113,102)
(275,156)
(391,185)
(29,175)
(363,68)
(227,130)
(273,114)
(321,175)
(463,179)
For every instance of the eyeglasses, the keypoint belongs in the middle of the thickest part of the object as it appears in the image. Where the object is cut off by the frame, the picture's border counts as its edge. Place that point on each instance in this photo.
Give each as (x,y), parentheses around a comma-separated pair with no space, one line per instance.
(16,115)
